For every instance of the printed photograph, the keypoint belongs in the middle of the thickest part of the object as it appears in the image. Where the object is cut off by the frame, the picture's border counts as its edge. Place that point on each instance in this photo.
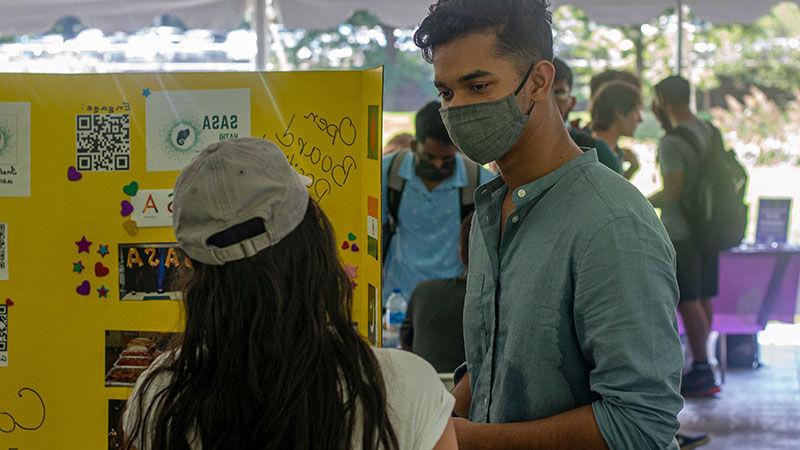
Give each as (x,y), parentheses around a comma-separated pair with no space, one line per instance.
(150,271)
(115,434)
(129,353)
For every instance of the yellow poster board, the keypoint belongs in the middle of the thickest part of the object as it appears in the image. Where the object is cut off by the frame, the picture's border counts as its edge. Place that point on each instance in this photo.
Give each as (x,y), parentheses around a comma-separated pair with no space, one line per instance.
(87,164)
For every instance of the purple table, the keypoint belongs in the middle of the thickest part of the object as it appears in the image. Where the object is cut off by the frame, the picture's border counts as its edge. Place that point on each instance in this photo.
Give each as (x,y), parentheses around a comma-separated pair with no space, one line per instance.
(757,284)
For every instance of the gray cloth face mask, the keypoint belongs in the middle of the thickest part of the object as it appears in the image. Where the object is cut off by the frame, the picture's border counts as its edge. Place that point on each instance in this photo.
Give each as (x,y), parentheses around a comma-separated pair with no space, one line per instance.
(487,131)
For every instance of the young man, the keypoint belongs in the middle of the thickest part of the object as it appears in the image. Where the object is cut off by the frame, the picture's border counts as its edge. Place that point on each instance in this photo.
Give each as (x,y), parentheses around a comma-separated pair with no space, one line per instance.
(427,190)
(569,316)
(697,269)
(562,88)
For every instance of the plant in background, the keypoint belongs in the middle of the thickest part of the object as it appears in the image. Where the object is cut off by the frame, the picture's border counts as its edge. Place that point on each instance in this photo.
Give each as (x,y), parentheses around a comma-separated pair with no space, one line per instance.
(759,130)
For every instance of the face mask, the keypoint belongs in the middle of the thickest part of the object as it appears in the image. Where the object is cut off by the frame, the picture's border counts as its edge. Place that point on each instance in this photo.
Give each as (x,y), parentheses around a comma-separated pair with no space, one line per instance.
(487,131)
(427,171)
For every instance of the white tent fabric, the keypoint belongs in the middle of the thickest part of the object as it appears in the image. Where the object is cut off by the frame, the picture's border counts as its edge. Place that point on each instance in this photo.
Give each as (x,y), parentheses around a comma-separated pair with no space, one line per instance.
(630,12)
(34,16)
(324,14)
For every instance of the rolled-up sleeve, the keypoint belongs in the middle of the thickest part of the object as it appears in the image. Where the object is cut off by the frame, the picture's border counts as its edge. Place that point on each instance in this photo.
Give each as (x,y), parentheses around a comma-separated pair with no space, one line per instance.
(625,305)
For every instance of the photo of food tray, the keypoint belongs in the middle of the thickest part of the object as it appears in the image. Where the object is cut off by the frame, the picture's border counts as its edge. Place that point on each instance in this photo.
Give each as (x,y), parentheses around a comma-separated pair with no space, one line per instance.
(130,353)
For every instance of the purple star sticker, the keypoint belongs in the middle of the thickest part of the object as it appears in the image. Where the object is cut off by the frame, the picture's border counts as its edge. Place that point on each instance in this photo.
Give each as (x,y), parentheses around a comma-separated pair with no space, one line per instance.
(83,245)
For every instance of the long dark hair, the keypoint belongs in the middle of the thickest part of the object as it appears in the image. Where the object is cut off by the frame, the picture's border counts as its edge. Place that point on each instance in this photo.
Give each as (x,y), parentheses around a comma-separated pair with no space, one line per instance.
(269,358)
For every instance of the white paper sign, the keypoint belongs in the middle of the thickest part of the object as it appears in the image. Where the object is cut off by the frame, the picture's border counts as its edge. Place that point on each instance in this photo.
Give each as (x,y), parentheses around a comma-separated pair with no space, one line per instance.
(3,251)
(15,149)
(152,208)
(181,123)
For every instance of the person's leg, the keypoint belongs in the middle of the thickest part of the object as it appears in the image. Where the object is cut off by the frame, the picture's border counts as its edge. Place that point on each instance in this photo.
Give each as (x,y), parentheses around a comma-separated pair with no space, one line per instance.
(689,305)
(709,312)
(699,381)
(696,324)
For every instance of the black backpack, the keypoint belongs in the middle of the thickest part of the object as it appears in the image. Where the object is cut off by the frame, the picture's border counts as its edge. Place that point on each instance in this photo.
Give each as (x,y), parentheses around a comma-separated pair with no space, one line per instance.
(715,205)
(396,184)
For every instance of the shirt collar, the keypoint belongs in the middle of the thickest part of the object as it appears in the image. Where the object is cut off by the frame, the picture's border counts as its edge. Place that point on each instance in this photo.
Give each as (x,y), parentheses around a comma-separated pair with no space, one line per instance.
(459,179)
(533,190)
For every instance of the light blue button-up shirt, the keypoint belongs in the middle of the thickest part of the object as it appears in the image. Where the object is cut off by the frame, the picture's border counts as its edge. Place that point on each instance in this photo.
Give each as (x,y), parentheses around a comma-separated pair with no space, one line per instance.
(574,306)
(426,243)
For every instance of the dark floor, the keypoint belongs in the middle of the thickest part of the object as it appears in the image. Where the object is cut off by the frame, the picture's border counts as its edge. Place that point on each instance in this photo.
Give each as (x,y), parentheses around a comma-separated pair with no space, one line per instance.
(757,409)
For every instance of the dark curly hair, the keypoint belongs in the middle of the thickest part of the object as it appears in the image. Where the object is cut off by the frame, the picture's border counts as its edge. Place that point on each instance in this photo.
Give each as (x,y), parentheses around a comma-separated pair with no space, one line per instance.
(523,27)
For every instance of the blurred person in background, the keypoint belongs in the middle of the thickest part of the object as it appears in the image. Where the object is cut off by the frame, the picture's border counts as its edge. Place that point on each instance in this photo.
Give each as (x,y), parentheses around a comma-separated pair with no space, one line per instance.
(697,269)
(433,328)
(562,89)
(616,111)
(427,190)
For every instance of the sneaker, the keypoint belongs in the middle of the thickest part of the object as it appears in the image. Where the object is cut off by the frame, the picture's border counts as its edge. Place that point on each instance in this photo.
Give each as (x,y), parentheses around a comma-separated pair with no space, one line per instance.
(699,382)
(688,442)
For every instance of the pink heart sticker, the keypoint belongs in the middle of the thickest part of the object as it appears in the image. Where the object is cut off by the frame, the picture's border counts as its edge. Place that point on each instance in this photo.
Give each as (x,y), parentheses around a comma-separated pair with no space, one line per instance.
(84,289)
(73,174)
(126,208)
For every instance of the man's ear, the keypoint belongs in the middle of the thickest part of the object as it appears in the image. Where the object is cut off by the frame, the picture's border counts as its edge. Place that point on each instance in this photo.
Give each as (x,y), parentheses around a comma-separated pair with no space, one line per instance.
(572,102)
(542,79)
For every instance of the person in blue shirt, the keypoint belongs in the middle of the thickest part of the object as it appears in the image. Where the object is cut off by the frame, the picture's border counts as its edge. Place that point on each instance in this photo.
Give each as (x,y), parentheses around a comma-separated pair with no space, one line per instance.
(427,190)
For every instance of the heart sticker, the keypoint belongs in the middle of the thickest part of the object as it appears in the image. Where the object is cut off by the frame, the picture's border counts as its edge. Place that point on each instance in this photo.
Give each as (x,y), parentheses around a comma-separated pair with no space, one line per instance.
(131,189)
(73,174)
(351,237)
(126,209)
(100,270)
(9,302)
(345,245)
(131,227)
(84,288)
(354,248)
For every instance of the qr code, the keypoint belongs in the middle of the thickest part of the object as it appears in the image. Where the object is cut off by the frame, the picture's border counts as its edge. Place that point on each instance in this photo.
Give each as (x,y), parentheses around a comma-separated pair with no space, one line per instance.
(103,142)
(3,335)
(3,233)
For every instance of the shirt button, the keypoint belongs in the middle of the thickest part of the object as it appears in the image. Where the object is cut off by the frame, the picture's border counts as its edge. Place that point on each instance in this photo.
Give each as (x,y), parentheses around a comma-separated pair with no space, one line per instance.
(521,193)
(515,219)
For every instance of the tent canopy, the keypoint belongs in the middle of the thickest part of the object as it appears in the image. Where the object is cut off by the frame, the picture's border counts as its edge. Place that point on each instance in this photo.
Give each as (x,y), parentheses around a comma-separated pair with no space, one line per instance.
(323,14)
(36,16)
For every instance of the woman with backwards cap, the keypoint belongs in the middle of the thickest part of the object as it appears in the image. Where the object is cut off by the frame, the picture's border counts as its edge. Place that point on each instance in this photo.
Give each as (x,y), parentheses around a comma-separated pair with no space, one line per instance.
(269,358)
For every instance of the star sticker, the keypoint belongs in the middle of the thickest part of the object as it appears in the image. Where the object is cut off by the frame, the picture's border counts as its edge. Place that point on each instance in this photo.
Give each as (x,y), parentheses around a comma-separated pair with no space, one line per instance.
(103,250)
(102,292)
(83,245)
(77,267)
(146,92)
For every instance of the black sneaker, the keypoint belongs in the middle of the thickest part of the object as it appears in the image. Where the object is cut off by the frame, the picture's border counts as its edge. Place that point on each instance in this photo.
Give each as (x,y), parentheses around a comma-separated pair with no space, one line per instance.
(688,442)
(699,382)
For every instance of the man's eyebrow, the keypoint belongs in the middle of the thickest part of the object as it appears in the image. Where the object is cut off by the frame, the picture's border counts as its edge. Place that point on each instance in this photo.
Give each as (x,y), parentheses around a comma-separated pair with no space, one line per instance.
(473,75)
(466,78)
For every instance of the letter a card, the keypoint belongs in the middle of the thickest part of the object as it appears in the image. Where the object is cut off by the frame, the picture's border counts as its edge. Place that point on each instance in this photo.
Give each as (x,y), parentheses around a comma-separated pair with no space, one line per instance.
(181,123)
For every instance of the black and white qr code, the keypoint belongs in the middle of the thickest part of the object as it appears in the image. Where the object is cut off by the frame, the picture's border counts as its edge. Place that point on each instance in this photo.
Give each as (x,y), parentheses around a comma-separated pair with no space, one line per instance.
(103,142)
(3,335)
(3,252)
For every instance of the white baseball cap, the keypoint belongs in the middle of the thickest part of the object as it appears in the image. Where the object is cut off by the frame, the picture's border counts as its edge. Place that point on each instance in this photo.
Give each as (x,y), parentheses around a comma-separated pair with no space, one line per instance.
(230,183)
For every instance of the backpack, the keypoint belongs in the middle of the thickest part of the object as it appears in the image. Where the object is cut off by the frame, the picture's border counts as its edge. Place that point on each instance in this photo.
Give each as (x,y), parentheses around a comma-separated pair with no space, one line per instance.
(714,205)
(396,184)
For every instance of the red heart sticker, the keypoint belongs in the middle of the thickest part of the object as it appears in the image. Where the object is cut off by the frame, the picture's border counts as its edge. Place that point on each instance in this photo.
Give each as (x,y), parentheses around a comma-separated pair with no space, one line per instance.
(345,245)
(9,302)
(100,270)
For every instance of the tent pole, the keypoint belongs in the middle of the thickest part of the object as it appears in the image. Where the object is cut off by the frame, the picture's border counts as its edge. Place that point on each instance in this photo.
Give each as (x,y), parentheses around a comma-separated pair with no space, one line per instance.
(260,25)
(679,62)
